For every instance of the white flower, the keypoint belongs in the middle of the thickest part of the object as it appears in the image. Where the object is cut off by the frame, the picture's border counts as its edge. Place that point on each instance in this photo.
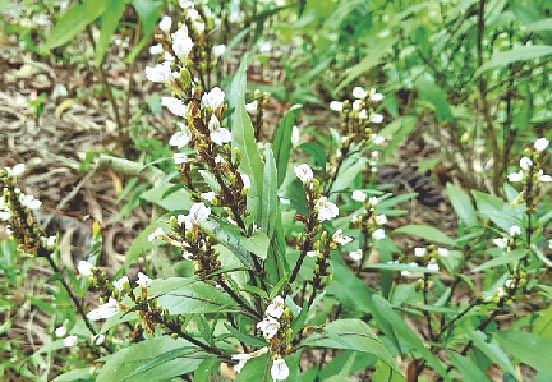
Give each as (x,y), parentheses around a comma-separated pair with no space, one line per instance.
(219,159)
(218,50)
(304,173)
(158,232)
(269,326)
(363,114)
(543,177)
(379,234)
(243,358)
(70,341)
(5,214)
(373,201)
(193,14)
(336,106)
(550,244)
(500,242)
(443,252)
(51,241)
(541,144)
(99,339)
(185,4)
(359,196)
(165,24)
(381,219)
(198,214)
(180,158)
(180,139)
(515,230)
(85,268)
(156,49)
(29,201)
(356,255)
(433,266)
(377,139)
(525,163)
(276,307)
(214,98)
(499,292)
(182,44)
(359,92)
(312,253)
(199,26)
(103,311)
(246,181)
(339,238)
(377,118)
(510,283)
(265,47)
(252,106)
(120,284)
(295,136)
(279,370)
(419,252)
(17,170)
(143,280)
(219,135)
(175,106)
(375,97)
(516,176)
(159,73)
(60,331)
(209,196)
(356,105)
(326,210)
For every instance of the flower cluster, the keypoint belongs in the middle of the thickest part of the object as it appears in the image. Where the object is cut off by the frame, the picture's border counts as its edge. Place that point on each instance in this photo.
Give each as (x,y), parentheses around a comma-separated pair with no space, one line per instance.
(530,165)
(368,221)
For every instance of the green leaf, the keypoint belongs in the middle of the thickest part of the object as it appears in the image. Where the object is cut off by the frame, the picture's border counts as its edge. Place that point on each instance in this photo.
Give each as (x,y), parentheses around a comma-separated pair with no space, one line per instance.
(349,169)
(397,131)
(110,19)
(148,10)
(468,369)
(543,324)
(245,338)
(244,139)
(501,213)
(117,319)
(181,295)
(430,92)
(491,350)
(519,53)
(74,375)
(462,204)
(270,202)
(141,244)
(507,258)
(151,360)
(72,22)
(316,151)
(282,142)
(543,25)
(385,373)
(384,313)
(529,348)
(254,370)
(351,334)
(427,232)
(205,369)
(179,199)
(257,244)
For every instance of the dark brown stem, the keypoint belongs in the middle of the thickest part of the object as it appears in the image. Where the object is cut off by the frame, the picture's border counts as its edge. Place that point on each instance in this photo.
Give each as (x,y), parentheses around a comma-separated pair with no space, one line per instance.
(239,300)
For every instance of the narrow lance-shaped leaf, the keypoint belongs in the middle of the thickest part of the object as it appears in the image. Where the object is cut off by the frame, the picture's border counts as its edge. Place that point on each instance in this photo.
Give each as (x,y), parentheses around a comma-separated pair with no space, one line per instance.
(282,142)
(110,19)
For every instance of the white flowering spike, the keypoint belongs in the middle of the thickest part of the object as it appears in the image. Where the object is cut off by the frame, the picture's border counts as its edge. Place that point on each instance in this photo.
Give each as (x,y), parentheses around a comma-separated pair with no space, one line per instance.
(326,210)
(419,252)
(120,284)
(304,173)
(359,196)
(525,163)
(336,106)
(379,234)
(443,252)
(501,242)
(252,106)
(356,255)
(515,230)
(279,370)
(218,50)
(276,307)
(85,268)
(209,196)
(269,326)
(516,176)
(246,181)
(198,214)
(541,144)
(339,238)
(381,219)
(103,311)
(70,341)
(214,98)
(377,118)
(175,106)
(143,280)
(154,235)
(165,24)
(359,92)
(182,44)
(159,73)
(60,331)
(180,158)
